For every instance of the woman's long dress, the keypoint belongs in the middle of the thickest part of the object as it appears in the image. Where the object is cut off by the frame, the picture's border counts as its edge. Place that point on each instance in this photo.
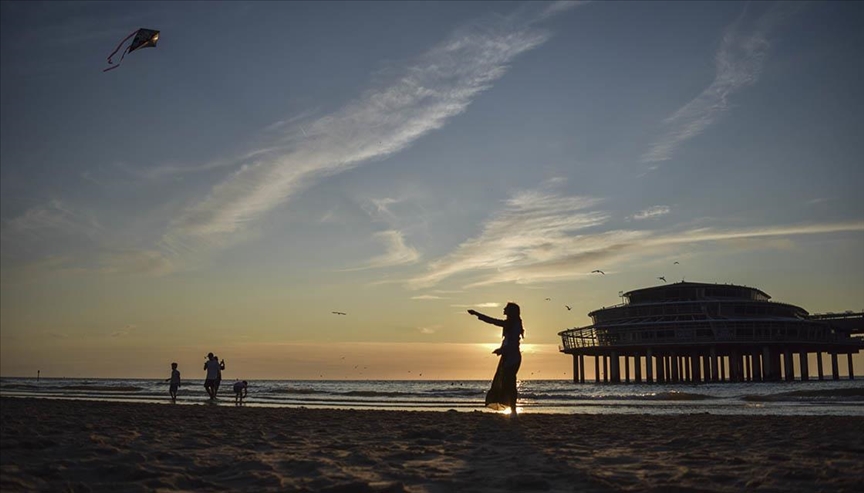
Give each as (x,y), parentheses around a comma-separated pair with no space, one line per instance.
(497,397)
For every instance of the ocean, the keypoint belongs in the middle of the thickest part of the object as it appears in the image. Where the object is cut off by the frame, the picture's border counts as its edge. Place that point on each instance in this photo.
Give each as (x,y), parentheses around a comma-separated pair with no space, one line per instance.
(843,397)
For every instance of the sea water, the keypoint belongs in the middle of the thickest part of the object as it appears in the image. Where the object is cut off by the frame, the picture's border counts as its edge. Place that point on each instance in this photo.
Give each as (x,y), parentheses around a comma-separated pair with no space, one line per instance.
(843,397)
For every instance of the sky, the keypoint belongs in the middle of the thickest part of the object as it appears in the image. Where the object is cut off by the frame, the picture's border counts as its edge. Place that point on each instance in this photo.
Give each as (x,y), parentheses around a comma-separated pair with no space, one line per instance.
(267,164)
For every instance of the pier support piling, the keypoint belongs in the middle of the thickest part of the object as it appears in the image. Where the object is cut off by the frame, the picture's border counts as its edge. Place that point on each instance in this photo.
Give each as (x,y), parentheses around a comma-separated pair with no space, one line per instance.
(804,366)
(575,368)
(615,367)
(715,374)
(649,366)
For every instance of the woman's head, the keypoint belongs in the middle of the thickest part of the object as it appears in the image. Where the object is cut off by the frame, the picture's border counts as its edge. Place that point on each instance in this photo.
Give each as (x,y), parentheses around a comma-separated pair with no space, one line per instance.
(512,310)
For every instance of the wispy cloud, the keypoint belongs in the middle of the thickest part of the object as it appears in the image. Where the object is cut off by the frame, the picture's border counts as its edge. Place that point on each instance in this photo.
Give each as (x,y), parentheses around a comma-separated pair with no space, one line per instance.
(429,329)
(540,236)
(487,304)
(556,8)
(50,217)
(380,209)
(170,170)
(428,297)
(136,262)
(738,64)
(423,97)
(124,331)
(34,271)
(536,226)
(397,252)
(42,226)
(717,234)
(651,212)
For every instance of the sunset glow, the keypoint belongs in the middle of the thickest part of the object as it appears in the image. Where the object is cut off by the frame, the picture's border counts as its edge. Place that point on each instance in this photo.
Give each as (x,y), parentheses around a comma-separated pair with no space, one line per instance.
(321,191)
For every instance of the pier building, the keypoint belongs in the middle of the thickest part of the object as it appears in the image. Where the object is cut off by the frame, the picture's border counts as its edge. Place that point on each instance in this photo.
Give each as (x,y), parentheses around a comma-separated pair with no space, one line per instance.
(702,332)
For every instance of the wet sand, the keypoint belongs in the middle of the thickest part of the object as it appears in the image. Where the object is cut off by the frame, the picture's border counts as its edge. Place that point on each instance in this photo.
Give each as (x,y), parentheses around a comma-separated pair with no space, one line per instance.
(53,445)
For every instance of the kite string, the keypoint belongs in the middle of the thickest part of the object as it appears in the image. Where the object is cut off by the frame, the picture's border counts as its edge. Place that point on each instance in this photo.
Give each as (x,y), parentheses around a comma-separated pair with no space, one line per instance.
(118,47)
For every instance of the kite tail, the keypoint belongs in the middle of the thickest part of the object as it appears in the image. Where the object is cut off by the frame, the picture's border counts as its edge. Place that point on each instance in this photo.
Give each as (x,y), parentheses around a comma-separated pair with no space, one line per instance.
(118,49)
(118,63)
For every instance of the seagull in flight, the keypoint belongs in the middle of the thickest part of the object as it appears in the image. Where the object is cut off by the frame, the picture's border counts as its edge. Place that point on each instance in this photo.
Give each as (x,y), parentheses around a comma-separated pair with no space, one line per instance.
(339,313)
(567,307)
(662,278)
(675,262)
(548,299)
(598,270)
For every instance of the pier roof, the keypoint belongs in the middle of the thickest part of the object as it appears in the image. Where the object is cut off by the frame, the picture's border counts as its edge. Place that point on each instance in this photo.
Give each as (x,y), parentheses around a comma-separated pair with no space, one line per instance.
(687,284)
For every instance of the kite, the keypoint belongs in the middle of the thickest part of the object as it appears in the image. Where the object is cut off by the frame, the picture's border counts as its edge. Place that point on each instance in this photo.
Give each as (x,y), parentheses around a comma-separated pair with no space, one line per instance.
(144,38)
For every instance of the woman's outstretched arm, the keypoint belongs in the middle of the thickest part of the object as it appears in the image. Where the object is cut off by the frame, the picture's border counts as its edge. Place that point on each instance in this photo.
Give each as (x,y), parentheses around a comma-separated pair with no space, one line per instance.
(487,319)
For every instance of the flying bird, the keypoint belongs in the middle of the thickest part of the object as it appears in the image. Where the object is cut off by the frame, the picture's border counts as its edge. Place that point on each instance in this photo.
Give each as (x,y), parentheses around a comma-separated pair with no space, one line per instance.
(144,38)
(676,262)
(598,270)
(339,313)
(548,299)
(662,278)
(567,307)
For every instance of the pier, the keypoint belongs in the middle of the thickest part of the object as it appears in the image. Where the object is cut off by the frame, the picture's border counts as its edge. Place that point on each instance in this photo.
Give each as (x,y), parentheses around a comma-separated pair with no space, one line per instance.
(697,332)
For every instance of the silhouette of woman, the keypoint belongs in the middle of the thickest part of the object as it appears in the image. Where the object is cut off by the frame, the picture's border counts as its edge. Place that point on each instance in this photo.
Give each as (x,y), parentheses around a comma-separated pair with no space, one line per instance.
(503,392)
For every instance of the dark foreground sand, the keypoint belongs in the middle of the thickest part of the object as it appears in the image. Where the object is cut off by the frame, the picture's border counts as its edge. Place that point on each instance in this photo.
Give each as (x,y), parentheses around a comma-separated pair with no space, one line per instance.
(52,445)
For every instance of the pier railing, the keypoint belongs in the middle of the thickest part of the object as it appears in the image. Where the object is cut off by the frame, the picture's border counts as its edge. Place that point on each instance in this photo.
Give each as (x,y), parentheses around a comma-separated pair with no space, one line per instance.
(704,332)
(836,316)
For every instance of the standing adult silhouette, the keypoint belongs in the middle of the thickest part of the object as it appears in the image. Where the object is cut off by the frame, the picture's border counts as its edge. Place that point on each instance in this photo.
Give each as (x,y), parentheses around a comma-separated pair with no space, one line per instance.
(503,393)
(212,368)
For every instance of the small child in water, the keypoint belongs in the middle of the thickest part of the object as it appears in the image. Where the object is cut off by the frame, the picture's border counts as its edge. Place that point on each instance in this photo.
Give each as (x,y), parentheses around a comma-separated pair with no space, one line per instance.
(175,383)
(240,391)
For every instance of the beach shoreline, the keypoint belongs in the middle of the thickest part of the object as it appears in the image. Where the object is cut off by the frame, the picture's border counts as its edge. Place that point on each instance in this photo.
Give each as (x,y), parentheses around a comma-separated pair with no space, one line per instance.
(50,445)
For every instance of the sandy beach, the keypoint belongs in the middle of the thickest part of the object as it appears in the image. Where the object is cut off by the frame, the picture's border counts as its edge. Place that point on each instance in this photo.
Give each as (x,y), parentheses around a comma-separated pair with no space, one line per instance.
(54,445)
